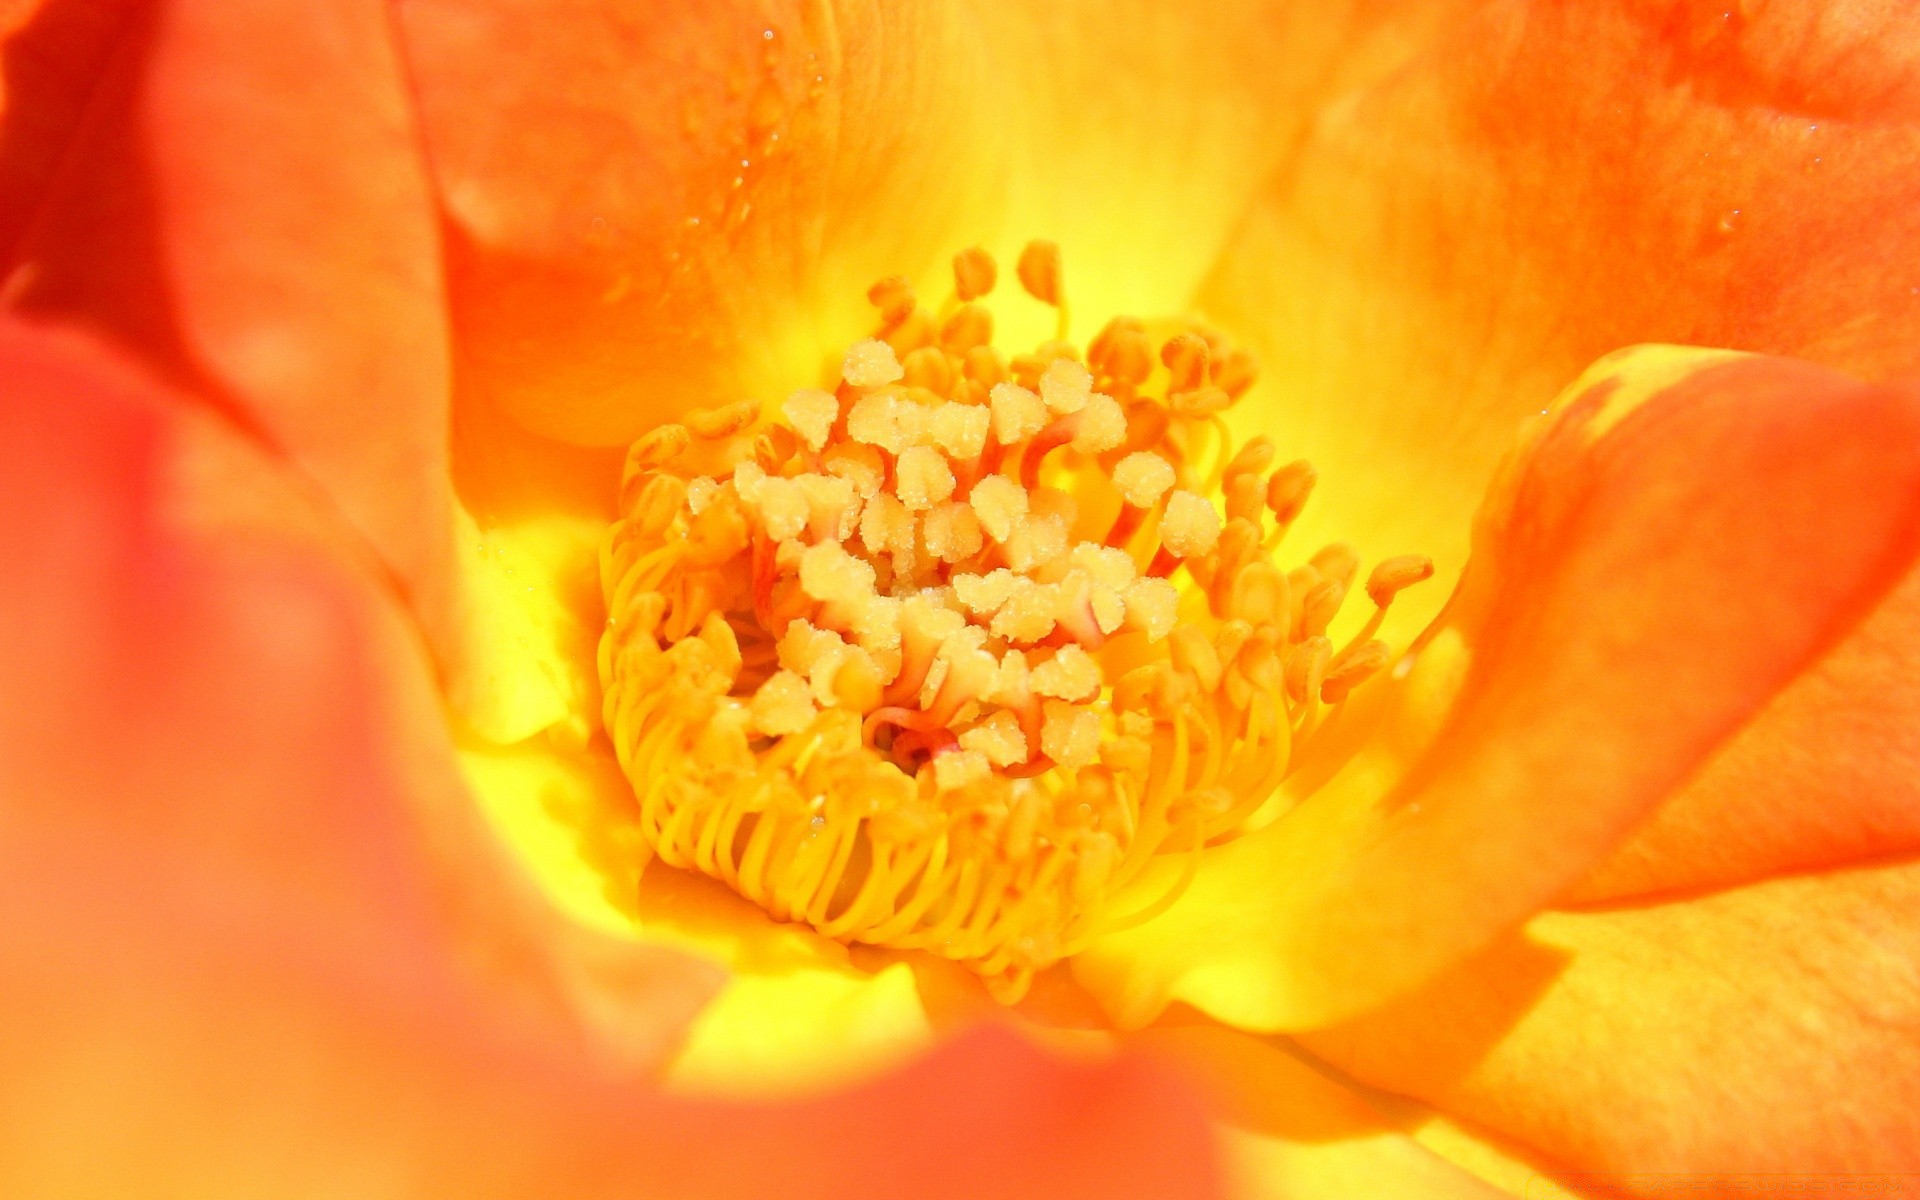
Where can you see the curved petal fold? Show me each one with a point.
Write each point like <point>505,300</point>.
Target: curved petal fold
<point>233,192</point>
<point>1826,775</point>
<point>1677,540</point>
<point>220,677</point>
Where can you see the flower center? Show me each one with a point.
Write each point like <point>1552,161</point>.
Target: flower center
<point>940,659</point>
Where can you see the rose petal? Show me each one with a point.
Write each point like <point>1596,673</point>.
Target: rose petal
<point>195,1044</point>
<point>1544,183</point>
<point>1675,543</point>
<point>1826,775</point>
<point>1771,1029</point>
<point>662,206</point>
<point>220,674</point>
<point>241,203</point>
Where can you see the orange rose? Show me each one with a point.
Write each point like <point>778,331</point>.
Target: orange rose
<point>332,320</point>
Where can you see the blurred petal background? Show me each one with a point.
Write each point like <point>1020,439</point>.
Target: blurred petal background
<point>330,319</point>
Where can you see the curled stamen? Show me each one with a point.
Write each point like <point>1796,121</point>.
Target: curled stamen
<point>941,654</point>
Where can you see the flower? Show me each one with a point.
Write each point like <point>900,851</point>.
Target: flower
<point>1613,869</point>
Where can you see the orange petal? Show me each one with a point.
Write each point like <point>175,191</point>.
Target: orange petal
<point>1548,182</point>
<point>662,205</point>
<point>1678,540</point>
<point>1827,774</point>
<point>1766,1030</point>
<point>218,672</point>
<point>240,202</point>
<point>249,939</point>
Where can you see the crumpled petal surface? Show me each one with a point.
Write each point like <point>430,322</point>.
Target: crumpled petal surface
<point>1676,541</point>
<point>244,946</point>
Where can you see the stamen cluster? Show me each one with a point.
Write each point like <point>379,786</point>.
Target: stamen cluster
<point>940,658</point>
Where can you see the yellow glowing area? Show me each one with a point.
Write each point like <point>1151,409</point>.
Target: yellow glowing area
<point>943,655</point>
<point>842,1024</point>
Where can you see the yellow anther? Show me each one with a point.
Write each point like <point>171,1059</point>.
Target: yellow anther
<point>1100,426</point>
<point>887,419</point>
<point>1246,496</point>
<point>913,331</point>
<point>1039,271</point>
<point>940,655</point>
<point>968,328</point>
<point>1321,606</point>
<point>925,479</point>
<point>1122,354</point>
<point>1071,674</point>
<point>1065,386</point>
<point>985,367</point>
<point>1236,373</point>
<point>659,448</point>
<point>1153,605</point>
<point>1028,613</point>
<point>984,594</point>
<point>718,534</point>
<point>1306,668</point>
<point>700,493</point>
<point>1252,459</point>
<point>974,274</point>
<point>952,532</point>
<point>1142,479</point>
<point>956,769</point>
<point>1069,733</point>
<point>1196,655</point>
<point>1350,668</point>
<point>1018,413</point>
<point>1337,561</point>
<point>659,501</point>
<point>860,466</point>
<point>1191,525</point>
<point>886,527</point>
<point>893,296</point>
<point>724,421</point>
<point>1289,489</point>
<point>999,738</point>
<point>1393,575</point>
<point>1200,402</point>
<point>1260,595</point>
<point>1187,359</point>
<point>870,364</point>
<point>929,368</point>
<point>1035,541</point>
<point>959,429</point>
<point>999,502</point>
